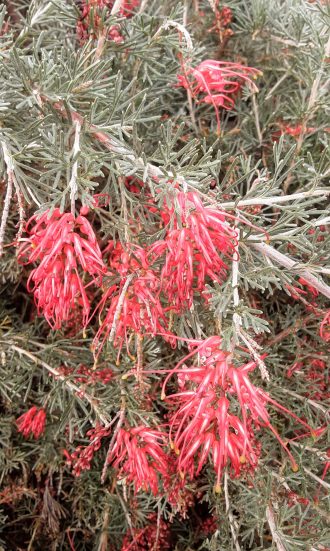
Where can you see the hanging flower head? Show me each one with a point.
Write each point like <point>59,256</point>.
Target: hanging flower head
<point>206,419</point>
<point>139,455</point>
<point>155,536</point>
<point>132,304</point>
<point>32,423</point>
<point>63,246</point>
<point>195,248</point>
<point>218,82</point>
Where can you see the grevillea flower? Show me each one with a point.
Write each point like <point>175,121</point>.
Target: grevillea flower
<point>155,536</point>
<point>294,130</point>
<point>62,245</point>
<point>203,423</point>
<point>32,423</point>
<point>139,455</point>
<point>90,22</point>
<point>218,82</point>
<point>136,308</point>
<point>195,248</point>
<point>86,375</point>
<point>82,457</point>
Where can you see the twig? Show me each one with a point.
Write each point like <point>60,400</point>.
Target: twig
<point>112,441</point>
<point>256,117</point>
<point>9,193</point>
<point>11,181</point>
<point>104,543</point>
<point>321,455</point>
<point>21,212</point>
<point>289,330</point>
<point>276,85</point>
<point>71,386</point>
<point>275,200</point>
<point>314,404</point>
<point>181,28</point>
<point>142,7</point>
<point>159,512</point>
<point>232,522</point>
<point>317,478</point>
<point>292,265</point>
<point>74,175</point>
<point>237,319</point>
<point>119,307</point>
<point>273,528</point>
<point>100,44</point>
<point>126,512</point>
<point>116,7</point>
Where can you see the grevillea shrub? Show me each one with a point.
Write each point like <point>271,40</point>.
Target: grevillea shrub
<point>164,265</point>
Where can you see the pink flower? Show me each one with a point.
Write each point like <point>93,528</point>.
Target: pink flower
<point>140,309</point>
<point>195,248</point>
<point>138,454</point>
<point>155,536</point>
<point>62,245</point>
<point>216,82</point>
<point>203,423</point>
<point>82,457</point>
<point>32,422</point>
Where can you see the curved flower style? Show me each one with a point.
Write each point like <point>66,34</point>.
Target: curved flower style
<point>195,248</point>
<point>32,423</point>
<point>61,243</point>
<point>216,82</point>
<point>138,453</point>
<point>203,423</point>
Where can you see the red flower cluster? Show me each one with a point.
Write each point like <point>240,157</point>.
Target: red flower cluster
<point>61,243</point>
<point>138,454</point>
<point>294,130</point>
<point>82,457</point>
<point>86,375</point>
<point>195,248</point>
<point>32,423</point>
<point>216,82</point>
<point>314,372</point>
<point>153,537</point>
<point>90,23</point>
<point>138,307</point>
<point>203,424</point>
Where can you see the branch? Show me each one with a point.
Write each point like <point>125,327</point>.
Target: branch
<point>275,200</point>
<point>272,526</point>
<point>119,307</point>
<point>116,7</point>
<point>76,390</point>
<point>9,193</point>
<point>232,522</point>
<point>11,182</point>
<point>237,319</point>
<point>74,175</point>
<point>292,265</point>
